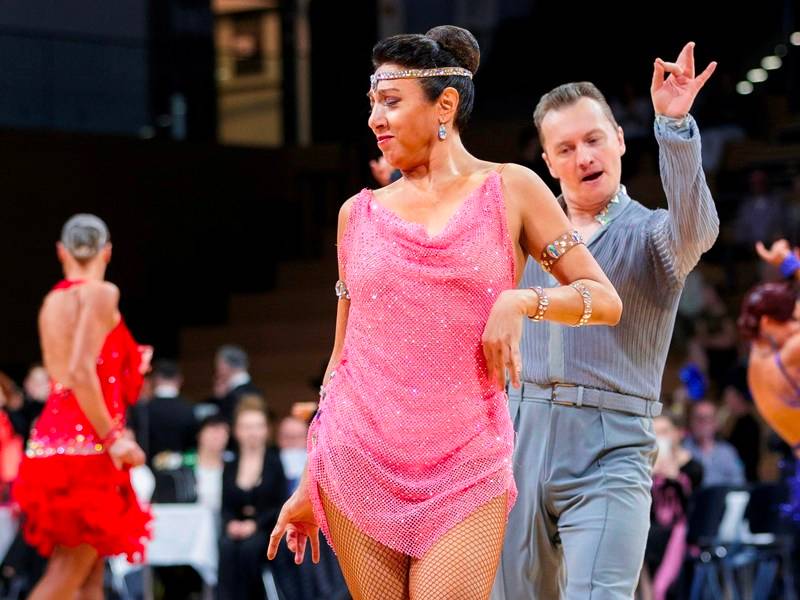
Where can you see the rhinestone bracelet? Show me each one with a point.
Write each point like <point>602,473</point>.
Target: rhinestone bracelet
<point>541,306</point>
<point>586,296</point>
<point>558,248</point>
<point>342,293</point>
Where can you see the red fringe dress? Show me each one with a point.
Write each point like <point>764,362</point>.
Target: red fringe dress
<point>68,489</point>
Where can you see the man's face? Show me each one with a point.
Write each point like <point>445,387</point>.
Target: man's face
<point>222,371</point>
<point>704,421</point>
<point>37,384</point>
<point>292,433</point>
<point>583,149</point>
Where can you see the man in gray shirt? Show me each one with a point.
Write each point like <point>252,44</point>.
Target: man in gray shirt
<point>583,414</point>
<point>721,463</point>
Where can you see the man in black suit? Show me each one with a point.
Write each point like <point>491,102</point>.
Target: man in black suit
<point>23,410</point>
<point>166,423</point>
<point>231,379</point>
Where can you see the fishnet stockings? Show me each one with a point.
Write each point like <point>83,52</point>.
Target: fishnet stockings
<point>372,571</point>
<point>460,566</point>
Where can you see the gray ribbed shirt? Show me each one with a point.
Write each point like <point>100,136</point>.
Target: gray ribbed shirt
<point>647,255</point>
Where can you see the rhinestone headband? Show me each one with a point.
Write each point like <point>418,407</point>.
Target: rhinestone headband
<point>417,73</point>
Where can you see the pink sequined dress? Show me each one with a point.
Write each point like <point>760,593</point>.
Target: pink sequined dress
<point>68,489</point>
<point>412,437</point>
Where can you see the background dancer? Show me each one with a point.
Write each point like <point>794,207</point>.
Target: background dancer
<point>73,487</point>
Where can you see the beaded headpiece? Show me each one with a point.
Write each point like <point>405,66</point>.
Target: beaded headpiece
<point>417,73</point>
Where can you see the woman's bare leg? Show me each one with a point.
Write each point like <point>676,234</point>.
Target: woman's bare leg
<point>67,571</point>
<point>92,588</point>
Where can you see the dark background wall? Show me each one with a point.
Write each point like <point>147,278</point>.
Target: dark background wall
<point>83,91</point>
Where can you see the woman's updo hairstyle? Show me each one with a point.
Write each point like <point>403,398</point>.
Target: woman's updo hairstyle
<point>443,46</point>
<point>84,236</point>
<point>775,300</point>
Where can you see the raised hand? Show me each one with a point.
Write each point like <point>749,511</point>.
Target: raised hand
<point>777,252</point>
<point>674,96</point>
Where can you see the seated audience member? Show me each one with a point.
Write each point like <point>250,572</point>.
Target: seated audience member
<point>742,429</point>
<point>212,439</point>
<point>253,491</point>
<point>721,464</point>
<point>231,379</point>
<point>292,434</point>
<point>29,405</point>
<point>675,475</point>
<point>165,423</point>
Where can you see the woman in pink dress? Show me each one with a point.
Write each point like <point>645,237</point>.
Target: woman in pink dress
<point>409,470</point>
<point>73,489</point>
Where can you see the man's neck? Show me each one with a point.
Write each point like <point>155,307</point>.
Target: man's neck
<point>208,459</point>
<point>706,445</point>
<point>166,390</point>
<point>587,218</point>
<point>583,213</point>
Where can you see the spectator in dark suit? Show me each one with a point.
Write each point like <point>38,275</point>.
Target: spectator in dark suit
<point>253,491</point>
<point>231,379</point>
<point>166,422</point>
<point>24,409</point>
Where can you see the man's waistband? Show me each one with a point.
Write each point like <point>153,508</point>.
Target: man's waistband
<point>579,396</point>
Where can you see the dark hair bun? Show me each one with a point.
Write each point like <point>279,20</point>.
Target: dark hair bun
<point>460,43</point>
<point>774,300</point>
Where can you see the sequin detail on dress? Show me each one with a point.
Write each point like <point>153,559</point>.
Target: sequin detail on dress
<point>412,437</point>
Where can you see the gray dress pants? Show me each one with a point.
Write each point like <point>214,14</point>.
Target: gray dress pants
<point>579,527</point>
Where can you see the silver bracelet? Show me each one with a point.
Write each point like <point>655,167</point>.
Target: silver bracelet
<point>586,296</point>
<point>541,306</point>
<point>342,293</point>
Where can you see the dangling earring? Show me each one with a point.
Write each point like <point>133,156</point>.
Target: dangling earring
<point>442,131</point>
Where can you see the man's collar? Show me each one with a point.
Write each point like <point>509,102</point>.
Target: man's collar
<point>614,207</point>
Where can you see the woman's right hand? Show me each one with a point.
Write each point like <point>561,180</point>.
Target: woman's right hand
<point>125,451</point>
<point>298,523</point>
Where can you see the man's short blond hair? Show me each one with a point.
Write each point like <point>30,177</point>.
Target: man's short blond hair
<point>567,95</point>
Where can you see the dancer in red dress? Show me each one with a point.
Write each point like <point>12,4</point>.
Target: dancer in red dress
<point>73,487</point>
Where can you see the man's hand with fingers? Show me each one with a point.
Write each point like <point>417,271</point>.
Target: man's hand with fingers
<point>674,96</point>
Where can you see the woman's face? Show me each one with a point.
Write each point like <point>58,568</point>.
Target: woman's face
<point>665,429</point>
<point>213,438</point>
<point>404,121</point>
<point>251,429</point>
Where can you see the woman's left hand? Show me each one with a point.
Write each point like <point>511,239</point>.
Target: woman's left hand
<point>501,338</point>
